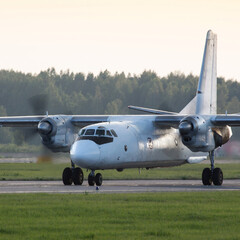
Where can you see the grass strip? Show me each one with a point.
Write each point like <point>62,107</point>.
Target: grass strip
<point>48,171</point>
<point>182,216</point>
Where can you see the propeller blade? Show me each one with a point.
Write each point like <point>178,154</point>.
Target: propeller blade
<point>45,155</point>
<point>39,103</point>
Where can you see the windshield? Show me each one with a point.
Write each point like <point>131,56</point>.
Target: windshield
<point>99,136</point>
<point>90,132</point>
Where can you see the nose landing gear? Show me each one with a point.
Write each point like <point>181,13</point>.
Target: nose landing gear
<point>213,175</point>
<point>92,179</point>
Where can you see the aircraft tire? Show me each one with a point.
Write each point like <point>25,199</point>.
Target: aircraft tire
<point>91,180</point>
<point>98,179</point>
<point>67,176</point>
<point>206,176</point>
<point>78,176</point>
<point>217,177</point>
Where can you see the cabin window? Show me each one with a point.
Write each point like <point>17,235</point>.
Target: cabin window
<point>113,133</point>
<point>90,132</point>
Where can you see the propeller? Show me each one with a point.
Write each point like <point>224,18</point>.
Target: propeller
<point>39,103</point>
<point>45,155</point>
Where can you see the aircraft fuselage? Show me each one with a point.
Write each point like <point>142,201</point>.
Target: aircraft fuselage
<point>129,144</point>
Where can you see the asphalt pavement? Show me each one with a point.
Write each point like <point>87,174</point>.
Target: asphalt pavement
<point>116,186</point>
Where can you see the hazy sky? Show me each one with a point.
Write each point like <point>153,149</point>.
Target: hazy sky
<point>118,35</point>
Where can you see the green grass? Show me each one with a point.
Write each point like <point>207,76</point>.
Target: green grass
<point>182,216</point>
<point>14,148</point>
<point>48,171</point>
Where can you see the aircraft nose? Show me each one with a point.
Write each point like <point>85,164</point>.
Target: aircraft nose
<point>85,153</point>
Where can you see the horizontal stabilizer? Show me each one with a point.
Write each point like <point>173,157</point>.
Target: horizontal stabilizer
<point>150,110</point>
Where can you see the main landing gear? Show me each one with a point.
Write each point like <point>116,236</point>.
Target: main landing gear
<point>213,175</point>
<point>72,175</point>
<point>75,175</point>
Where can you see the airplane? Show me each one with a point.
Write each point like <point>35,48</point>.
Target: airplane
<point>158,139</point>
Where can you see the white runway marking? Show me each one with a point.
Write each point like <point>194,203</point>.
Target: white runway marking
<point>116,186</point>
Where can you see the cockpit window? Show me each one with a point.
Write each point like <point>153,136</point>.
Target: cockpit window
<point>90,132</point>
<point>113,133</point>
<point>100,132</point>
<point>83,131</point>
<point>99,136</point>
<point>108,133</point>
<point>97,139</point>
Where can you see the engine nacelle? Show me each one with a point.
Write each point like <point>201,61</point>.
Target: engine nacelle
<point>199,135</point>
<point>196,135</point>
<point>57,133</point>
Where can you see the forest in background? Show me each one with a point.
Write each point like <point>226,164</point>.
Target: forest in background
<point>77,93</point>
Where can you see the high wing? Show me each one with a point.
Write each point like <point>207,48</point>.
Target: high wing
<point>232,120</point>
<point>169,120</point>
<point>20,121</point>
<point>82,121</point>
<point>150,110</point>
<point>33,121</point>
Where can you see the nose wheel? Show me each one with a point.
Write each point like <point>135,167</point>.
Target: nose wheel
<point>213,175</point>
<point>92,179</point>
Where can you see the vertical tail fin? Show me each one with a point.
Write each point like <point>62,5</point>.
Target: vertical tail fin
<point>205,101</point>
<point>207,85</point>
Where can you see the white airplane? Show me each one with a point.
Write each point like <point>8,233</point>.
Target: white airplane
<point>161,139</point>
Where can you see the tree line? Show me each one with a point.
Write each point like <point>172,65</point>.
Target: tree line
<point>105,93</point>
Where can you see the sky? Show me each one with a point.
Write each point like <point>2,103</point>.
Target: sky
<point>118,35</point>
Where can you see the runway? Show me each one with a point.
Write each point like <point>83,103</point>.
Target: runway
<point>116,186</point>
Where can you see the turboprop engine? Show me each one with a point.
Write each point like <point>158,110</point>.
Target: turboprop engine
<point>56,133</point>
<point>199,135</point>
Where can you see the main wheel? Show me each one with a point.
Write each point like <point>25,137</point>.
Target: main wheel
<point>207,176</point>
<point>217,176</point>
<point>98,179</point>
<point>91,179</point>
<point>67,176</point>
<point>78,176</point>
